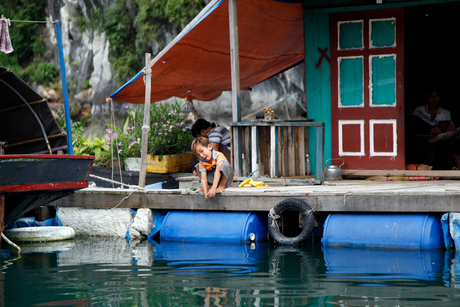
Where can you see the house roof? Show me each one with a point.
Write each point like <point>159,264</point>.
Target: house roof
<point>196,64</point>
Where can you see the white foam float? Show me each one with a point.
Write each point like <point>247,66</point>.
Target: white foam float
<point>40,234</point>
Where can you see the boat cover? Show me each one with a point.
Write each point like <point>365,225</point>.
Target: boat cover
<point>19,126</point>
<point>196,64</point>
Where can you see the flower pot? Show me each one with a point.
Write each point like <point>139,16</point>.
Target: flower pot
<point>133,164</point>
<point>169,163</point>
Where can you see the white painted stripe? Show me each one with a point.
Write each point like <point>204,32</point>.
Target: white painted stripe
<point>361,136</point>
<point>374,122</point>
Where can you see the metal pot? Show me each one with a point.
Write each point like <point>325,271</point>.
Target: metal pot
<point>333,172</point>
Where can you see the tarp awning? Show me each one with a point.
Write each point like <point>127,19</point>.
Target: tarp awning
<point>196,64</point>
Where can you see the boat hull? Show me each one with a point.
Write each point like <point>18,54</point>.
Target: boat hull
<point>30,181</point>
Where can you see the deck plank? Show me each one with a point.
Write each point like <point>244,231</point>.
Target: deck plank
<point>341,196</point>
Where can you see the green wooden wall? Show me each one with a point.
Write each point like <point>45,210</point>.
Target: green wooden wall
<point>318,89</point>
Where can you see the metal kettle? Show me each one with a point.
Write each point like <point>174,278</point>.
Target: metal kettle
<point>333,172</point>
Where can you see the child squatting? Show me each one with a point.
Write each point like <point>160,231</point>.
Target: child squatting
<point>215,171</point>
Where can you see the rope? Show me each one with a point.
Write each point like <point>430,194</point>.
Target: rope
<point>274,216</point>
<point>120,183</point>
<point>11,243</point>
<point>307,212</point>
<point>113,124</point>
<point>35,21</point>
<point>126,197</point>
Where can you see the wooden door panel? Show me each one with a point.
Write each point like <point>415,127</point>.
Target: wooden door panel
<point>367,80</point>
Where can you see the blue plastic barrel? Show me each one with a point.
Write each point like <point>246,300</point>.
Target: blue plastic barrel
<point>394,231</point>
<point>210,226</point>
<point>371,263</point>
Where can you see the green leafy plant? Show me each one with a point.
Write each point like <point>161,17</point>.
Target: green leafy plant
<point>92,146</point>
<point>25,36</point>
<point>168,134</point>
<point>46,72</point>
<point>124,142</point>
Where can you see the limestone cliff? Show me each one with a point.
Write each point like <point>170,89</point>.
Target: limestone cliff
<point>91,77</point>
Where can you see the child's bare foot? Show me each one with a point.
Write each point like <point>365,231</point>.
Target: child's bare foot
<point>220,190</point>
<point>199,190</point>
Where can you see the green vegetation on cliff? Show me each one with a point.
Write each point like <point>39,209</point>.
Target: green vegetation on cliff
<point>27,43</point>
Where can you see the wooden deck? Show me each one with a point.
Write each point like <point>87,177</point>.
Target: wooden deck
<point>335,196</point>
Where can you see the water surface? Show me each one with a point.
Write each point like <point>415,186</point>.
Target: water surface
<point>113,272</point>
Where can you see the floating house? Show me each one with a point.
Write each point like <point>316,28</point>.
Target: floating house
<point>368,65</point>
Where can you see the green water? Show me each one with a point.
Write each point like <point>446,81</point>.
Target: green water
<point>111,272</point>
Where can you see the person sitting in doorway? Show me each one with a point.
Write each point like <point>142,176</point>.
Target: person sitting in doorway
<point>215,172</point>
<point>432,122</point>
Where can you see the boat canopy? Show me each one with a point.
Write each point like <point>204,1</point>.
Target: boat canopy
<point>26,121</point>
<point>196,64</point>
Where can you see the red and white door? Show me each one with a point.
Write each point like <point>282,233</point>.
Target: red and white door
<point>367,80</point>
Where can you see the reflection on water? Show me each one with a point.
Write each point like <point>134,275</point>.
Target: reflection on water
<point>113,272</point>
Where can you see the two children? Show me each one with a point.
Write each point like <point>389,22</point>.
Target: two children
<point>215,172</point>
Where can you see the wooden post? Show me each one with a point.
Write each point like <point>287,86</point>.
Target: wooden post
<point>235,71</point>
<point>255,151</point>
<point>146,125</point>
<point>273,143</point>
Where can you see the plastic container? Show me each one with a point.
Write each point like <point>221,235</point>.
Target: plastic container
<point>158,185</point>
<point>210,226</point>
<point>360,263</point>
<point>393,231</point>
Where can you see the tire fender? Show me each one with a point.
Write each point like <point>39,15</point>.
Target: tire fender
<point>307,216</point>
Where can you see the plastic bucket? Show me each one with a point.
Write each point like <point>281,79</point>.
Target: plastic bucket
<point>394,231</point>
<point>210,226</point>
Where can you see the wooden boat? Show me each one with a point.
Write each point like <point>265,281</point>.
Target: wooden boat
<point>33,169</point>
<point>30,181</point>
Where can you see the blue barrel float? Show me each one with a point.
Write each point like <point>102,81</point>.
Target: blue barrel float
<point>393,231</point>
<point>212,226</point>
<point>362,263</point>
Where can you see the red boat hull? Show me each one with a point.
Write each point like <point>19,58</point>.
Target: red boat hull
<point>30,181</point>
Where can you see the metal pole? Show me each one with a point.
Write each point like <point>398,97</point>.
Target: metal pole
<point>146,125</point>
<point>68,124</point>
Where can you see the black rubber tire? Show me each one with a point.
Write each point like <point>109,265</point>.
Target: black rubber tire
<point>308,219</point>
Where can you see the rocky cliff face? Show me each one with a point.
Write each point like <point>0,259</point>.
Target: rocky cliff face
<point>87,60</point>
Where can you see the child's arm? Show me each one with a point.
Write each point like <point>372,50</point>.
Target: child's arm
<point>215,183</point>
<point>204,182</point>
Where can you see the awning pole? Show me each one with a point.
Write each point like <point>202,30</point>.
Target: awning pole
<point>68,123</point>
<point>146,125</point>
<point>236,101</point>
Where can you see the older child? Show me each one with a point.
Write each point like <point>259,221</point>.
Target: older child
<point>215,172</point>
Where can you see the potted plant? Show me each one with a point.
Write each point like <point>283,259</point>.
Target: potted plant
<point>168,141</point>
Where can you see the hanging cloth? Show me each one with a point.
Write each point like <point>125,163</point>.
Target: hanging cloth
<point>5,41</point>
